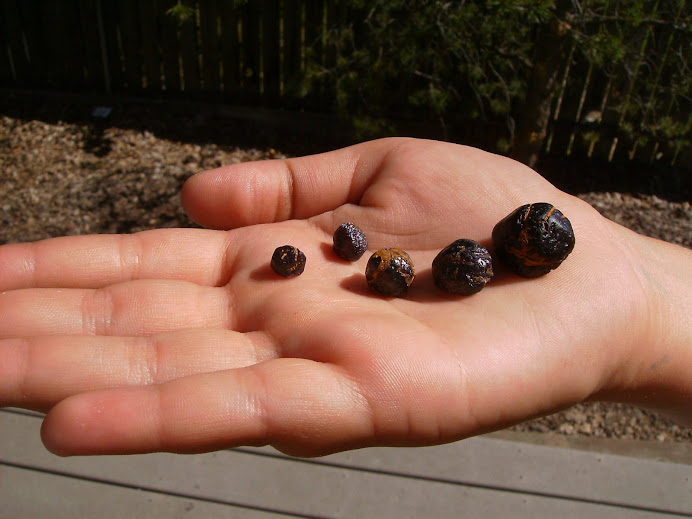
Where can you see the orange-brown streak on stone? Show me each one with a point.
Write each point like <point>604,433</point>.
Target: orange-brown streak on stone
<point>529,260</point>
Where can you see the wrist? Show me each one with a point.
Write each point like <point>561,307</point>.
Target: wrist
<point>657,372</point>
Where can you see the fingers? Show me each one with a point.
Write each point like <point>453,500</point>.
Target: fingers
<point>311,406</point>
<point>195,255</point>
<point>37,373</point>
<point>277,190</point>
<point>143,307</point>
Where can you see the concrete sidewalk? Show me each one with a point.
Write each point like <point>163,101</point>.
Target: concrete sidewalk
<point>488,476</point>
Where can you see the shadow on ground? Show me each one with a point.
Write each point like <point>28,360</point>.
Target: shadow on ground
<point>300,133</point>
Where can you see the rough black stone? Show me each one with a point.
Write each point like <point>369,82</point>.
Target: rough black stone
<point>463,267</point>
<point>534,239</point>
<point>288,261</point>
<point>390,272</point>
<point>350,243</point>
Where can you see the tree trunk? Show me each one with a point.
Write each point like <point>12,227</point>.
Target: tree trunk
<point>543,83</point>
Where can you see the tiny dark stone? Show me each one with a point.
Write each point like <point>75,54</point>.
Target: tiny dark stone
<point>350,243</point>
<point>288,261</point>
<point>534,239</point>
<point>390,272</point>
<point>463,267</point>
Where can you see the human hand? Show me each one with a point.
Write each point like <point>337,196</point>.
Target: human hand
<point>184,340</point>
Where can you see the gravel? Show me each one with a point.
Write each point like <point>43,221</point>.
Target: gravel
<point>64,173</point>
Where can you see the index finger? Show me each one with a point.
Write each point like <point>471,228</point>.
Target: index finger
<point>194,255</point>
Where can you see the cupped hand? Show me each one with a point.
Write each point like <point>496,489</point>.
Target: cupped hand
<point>184,340</point>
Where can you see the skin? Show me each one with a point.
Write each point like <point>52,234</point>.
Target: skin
<point>184,340</point>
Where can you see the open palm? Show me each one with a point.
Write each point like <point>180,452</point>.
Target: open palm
<point>184,339</point>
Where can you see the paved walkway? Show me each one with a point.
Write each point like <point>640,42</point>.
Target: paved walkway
<point>479,477</point>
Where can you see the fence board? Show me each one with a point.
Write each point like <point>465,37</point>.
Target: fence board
<point>189,52</point>
<point>169,46</point>
<point>251,52</point>
<point>271,65</point>
<point>111,29</point>
<point>90,45</point>
<point>563,141</point>
<point>13,47</point>
<point>607,127</point>
<point>40,66</point>
<point>29,44</point>
<point>333,17</point>
<point>64,49</point>
<point>619,148</point>
<point>683,156</point>
<point>37,71</point>
<point>291,64</point>
<point>209,39</point>
<point>131,44</point>
<point>72,42</point>
<point>53,47</point>
<point>6,67</point>
<point>314,27</point>
<point>314,45</point>
<point>151,59</point>
<point>230,49</point>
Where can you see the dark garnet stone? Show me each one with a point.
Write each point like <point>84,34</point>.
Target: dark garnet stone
<point>288,261</point>
<point>350,243</point>
<point>464,267</point>
<point>390,272</point>
<point>534,239</point>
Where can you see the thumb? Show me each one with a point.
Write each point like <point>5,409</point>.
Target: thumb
<point>276,190</point>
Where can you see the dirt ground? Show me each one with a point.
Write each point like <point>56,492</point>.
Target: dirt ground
<point>64,173</point>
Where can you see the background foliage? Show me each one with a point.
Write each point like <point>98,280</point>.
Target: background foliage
<point>582,78</point>
<point>474,60</point>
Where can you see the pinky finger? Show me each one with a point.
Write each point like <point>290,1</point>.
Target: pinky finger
<point>301,407</point>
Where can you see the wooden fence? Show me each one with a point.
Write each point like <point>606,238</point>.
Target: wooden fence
<point>248,52</point>
<point>641,115</point>
<point>255,52</point>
